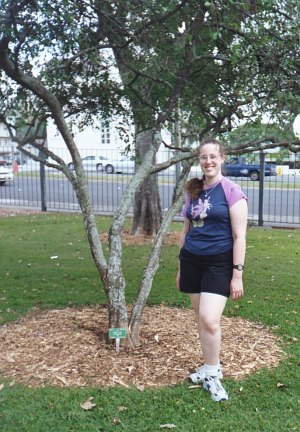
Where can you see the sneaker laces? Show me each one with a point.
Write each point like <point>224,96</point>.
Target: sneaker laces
<point>214,386</point>
<point>217,386</point>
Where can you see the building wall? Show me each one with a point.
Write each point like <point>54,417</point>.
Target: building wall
<point>92,140</point>
<point>5,142</point>
<point>103,139</point>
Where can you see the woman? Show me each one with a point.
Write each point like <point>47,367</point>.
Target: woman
<point>212,253</point>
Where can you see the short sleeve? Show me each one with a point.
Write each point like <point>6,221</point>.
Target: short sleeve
<point>233,192</point>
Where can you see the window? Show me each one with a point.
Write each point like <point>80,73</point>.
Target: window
<point>105,133</point>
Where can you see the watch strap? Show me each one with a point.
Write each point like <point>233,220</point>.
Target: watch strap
<point>239,267</point>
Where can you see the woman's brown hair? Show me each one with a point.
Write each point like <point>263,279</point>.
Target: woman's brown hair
<point>195,186</point>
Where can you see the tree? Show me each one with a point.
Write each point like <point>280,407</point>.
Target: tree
<point>56,61</point>
<point>139,72</point>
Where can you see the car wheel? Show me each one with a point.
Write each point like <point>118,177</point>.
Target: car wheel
<point>71,166</point>
<point>99,168</point>
<point>254,175</point>
<point>109,169</point>
<point>2,183</point>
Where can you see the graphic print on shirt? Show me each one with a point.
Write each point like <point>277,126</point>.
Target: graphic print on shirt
<point>199,211</point>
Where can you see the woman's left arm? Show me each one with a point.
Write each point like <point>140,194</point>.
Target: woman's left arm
<point>239,218</point>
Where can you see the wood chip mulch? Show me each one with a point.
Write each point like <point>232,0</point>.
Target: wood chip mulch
<point>69,348</point>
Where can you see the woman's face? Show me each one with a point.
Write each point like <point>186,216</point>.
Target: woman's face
<point>210,160</point>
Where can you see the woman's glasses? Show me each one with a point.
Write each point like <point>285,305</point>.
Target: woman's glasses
<point>204,158</point>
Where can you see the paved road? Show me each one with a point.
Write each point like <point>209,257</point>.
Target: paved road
<point>281,204</point>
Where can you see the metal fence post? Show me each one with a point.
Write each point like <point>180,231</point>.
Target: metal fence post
<point>43,187</point>
<point>262,157</point>
<point>43,176</point>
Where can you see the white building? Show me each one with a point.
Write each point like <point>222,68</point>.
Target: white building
<point>102,139</point>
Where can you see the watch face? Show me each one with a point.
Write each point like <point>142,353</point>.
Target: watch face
<point>238,267</point>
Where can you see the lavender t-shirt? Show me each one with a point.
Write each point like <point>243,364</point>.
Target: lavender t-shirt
<point>210,227</point>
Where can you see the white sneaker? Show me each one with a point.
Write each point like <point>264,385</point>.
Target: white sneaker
<point>199,376</point>
<point>215,388</point>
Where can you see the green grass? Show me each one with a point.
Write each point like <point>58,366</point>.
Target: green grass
<point>31,277</point>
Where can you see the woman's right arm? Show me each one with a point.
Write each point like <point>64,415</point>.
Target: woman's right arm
<point>185,230</point>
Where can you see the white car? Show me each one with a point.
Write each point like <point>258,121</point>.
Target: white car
<point>124,165</point>
<point>102,164</point>
<point>91,163</point>
<point>5,175</point>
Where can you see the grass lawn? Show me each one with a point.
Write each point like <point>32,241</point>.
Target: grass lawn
<point>46,263</point>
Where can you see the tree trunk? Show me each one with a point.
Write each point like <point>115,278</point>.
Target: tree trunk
<point>147,215</point>
<point>111,273</point>
<point>118,316</point>
<point>153,263</point>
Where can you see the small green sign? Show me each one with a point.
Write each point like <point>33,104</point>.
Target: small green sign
<point>117,333</point>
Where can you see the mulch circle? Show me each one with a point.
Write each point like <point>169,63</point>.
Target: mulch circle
<point>68,347</point>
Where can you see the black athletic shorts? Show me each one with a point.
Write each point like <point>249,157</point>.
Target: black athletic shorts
<point>205,273</point>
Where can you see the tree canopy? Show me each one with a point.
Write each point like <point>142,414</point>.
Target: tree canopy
<point>229,62</point>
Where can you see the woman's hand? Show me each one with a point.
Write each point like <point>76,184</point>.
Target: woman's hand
<point>178,279</point>
<point>236,288</point>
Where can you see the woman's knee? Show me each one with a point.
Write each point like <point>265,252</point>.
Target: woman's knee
<point>209,324</point>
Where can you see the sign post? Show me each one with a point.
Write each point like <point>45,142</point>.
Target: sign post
<point>117,333</point>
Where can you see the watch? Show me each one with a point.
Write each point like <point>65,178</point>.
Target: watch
<point>239,267</point>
